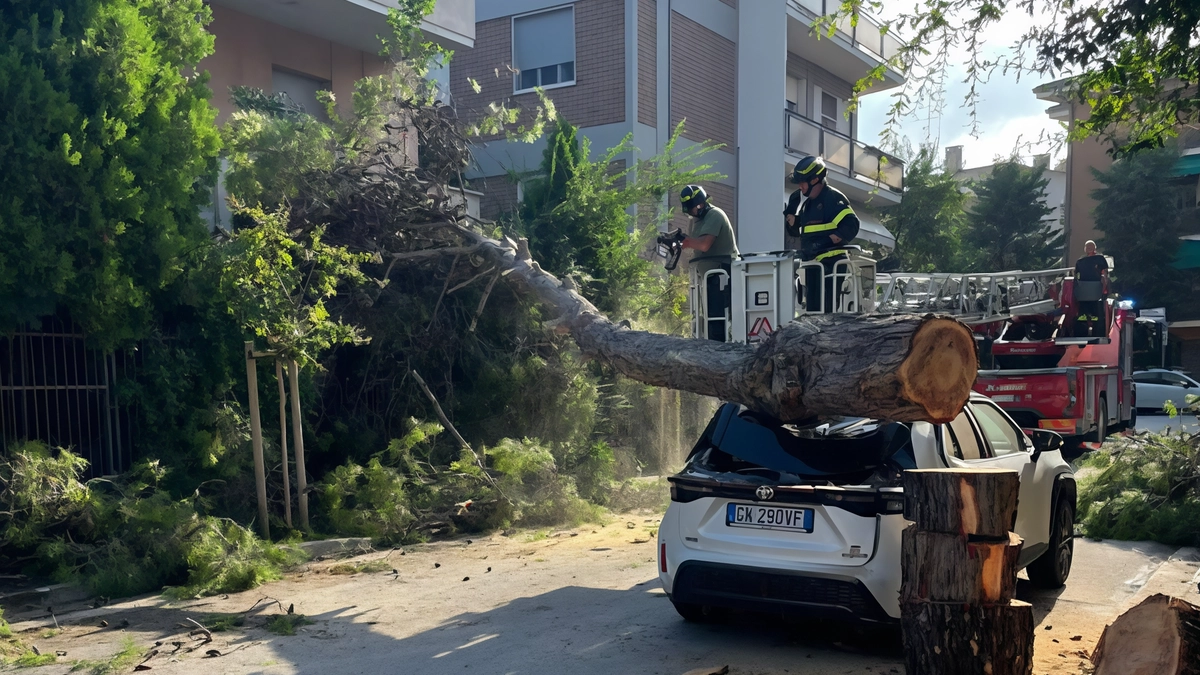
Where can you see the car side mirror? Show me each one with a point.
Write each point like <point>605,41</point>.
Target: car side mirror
<point>1044,441</point>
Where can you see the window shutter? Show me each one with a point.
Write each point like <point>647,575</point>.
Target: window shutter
<point>544,39</point>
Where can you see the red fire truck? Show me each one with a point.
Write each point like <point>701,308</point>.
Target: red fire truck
<point>1046,377</point>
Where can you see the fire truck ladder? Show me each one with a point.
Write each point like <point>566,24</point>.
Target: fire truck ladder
<point>972,298</point>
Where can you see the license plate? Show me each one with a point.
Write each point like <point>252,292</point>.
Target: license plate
<point>788,518</point>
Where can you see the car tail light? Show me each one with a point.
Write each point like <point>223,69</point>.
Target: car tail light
<point>662,558</point>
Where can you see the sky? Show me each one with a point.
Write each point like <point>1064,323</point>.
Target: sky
<point>1007,110</point>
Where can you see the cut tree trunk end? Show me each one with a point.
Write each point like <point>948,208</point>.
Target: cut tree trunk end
<point>1159,636</point>
<point>966,502</point>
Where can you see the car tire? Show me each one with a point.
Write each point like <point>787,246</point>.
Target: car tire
<point>691,612</point>
<point>1101,431</point>
<point>1133,412</point>
<point>1052,568</point>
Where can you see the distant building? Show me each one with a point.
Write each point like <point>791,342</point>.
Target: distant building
<point>748,74</point>
<point>1056,189</point>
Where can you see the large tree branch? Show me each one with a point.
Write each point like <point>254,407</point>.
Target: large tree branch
<point>899,367</point>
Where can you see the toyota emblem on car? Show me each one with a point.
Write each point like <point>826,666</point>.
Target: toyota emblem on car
<point>764,492</point>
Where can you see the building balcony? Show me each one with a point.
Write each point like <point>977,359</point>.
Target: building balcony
<point>853,165</point>
<point>358,23</point>
<point>851,52</point>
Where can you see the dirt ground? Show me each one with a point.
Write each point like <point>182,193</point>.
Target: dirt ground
<point>585,601</point>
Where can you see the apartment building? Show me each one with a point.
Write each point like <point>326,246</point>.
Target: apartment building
<point>1091,153</point>
<point>302,47</point>
<point>1056,181</point>
<point>747,74</point>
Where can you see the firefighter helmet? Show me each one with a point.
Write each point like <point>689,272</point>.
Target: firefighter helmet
<point>808,168</point>
<point>691,196</point>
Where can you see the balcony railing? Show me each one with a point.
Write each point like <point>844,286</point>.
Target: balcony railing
<point>854,158</point>
<point>868,35</point>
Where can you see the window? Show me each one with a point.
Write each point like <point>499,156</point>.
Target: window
<point>1175,380</point>
<point>1147,378</point>
<point>1004,438</point>
<point>302,89</point>
<point>544,49</point>
<point>797,95</point>
<point>829,111</point>
<point>963,442</point>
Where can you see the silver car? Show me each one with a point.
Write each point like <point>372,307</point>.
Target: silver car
<point>1155,387</point>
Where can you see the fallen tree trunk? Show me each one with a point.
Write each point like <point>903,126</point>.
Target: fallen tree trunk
<point>1160,636</point>
<point>901,367</point>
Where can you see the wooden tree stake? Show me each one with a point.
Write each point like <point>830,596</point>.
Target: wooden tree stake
<point>298,442</point>
<point>287,484</point>
<point>260,470</point>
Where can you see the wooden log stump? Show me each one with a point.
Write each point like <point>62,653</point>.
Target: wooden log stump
<point>1159,636</point>
<point>962,501</point>
<point>951,638</point>
<point>959,564</point>
<point>941,567</point>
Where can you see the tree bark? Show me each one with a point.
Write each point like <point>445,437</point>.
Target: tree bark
<point>896,367</point>
<point>952,638</point>
<point>941,567</point>
<point>965,502</point>
<point>1160,636</point>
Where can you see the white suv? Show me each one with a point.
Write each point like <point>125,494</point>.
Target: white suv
<point>806,519</point>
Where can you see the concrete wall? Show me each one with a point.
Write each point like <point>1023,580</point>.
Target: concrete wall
<point>248,48</point>
<point>596,98</point>
<point>1082,157</point>
<point>761,74</point>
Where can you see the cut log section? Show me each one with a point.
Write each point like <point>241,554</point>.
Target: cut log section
<point>964,502</point>
<point>1159,636</point>
<point>941,567</point>
<point>945,638</point>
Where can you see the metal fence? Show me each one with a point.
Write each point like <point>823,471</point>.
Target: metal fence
<point>55,389</point>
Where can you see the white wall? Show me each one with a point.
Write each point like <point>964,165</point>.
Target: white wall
<point>762,71</point>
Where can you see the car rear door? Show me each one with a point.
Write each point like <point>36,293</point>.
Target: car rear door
<point>984,436</point>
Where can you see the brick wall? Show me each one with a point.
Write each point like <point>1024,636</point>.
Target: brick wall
<point>719,194</point>
<point>499,195</point>
<point>703,76</point>
<point>598,95</point>
<point>818,76</point>
<point>647,62</point>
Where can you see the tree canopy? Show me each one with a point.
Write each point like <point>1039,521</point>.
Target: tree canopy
<point>1005,227</point>
<point>928,222</point>
<point>1140,214</point>
<point>106,147</point>
<point>1134,62</point>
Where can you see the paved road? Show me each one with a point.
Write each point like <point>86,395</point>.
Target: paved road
<point>586,604</point>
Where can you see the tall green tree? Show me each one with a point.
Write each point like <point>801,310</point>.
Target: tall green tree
<point>1139,209</point>
<point>578,213</point>
<point>106,148</point>
<point>1005,227</point>
<point>929,220</point>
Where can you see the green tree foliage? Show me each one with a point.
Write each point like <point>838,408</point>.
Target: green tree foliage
<point>1143,487</point>
<point>929,221</point>
<point>1134,62</point>
<point>107,144</point>
<point>1138,210</point>
<point>1005,230</point>
<point>577,214</point>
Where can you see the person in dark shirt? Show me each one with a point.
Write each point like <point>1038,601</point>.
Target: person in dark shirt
<point>824,222</point>
<point>1091,268</point>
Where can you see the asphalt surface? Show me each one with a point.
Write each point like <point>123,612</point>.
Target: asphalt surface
<point>586,603</point>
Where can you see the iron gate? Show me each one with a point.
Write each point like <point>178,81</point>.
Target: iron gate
<point>56,389</point>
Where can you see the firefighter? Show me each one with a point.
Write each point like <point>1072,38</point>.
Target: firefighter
<point>712,239</point>
<point>1092,267</point>
<point>824,222</point>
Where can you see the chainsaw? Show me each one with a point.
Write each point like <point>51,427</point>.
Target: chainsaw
<point>670,247</point>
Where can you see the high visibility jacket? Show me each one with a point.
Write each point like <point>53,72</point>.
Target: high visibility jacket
<point>817,218</point>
